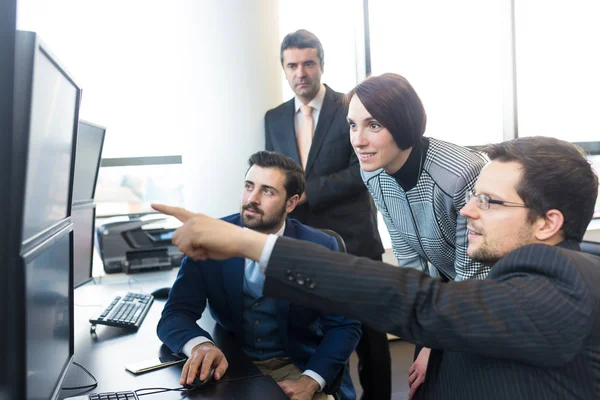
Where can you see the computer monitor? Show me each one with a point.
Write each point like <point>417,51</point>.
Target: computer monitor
<point>49,312</point>
<point>11,363</point>
<point>90,139</point>
<point>45,119</point>
<point>49,102</point>
<point>83,217</point>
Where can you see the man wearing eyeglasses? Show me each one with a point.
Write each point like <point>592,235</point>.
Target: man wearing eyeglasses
<point>530,330</point>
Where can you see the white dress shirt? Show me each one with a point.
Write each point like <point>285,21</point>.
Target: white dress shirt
<point>316,103</point>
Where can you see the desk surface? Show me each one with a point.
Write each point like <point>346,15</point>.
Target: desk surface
<point>106,353</point>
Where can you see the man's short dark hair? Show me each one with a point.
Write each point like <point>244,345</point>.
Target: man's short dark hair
<point>394,103</point>
<point>555,175</point>
<point>302,39</point>
<point>294,174</point>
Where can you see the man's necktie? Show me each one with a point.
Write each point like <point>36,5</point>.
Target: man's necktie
<point>305,134</point>
<point>254,279</point>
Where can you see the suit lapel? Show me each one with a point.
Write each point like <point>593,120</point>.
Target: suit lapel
<point>326,117</point>
<point>284,128</point>
<point>233,277</point>
<point>283,307</point>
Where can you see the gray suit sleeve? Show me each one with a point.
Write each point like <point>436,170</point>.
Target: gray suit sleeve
<point>530,311</point>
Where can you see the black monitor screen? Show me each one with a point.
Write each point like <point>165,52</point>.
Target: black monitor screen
<point>83,242</point>
<point>48,292</point>
<point>595,161</point>
<point>87,160</point>
<point>54,110</point>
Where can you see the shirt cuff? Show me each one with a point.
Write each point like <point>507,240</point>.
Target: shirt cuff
<point>193,342</point>
<point>316,377</point>
<point>265,255</point>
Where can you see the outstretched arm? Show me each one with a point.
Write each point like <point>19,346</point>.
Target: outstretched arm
<point>512,315</point>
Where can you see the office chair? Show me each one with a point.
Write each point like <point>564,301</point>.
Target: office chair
<point>590,247</point>
<point>338,238</point>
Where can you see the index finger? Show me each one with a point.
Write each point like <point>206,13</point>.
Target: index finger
<point>180,213</point>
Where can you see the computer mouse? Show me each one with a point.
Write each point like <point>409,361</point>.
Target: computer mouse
<point>162,293</point>
<point>198,383</point>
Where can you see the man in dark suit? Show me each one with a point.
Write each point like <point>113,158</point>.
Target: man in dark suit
<point>312,129</point>
<point>304,350</point>
<point>531,330</point>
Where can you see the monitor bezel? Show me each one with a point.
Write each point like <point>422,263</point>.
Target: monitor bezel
<point>12,378</point>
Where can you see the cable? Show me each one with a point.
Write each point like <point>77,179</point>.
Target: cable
<point>159,390</point>
<point>185,390</point>
<point>155,390</point>
<point>88,387</point>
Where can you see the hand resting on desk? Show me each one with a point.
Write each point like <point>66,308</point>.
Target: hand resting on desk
<point>203,357</point>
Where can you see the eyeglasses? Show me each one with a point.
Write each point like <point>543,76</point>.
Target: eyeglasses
<point>483,201</point>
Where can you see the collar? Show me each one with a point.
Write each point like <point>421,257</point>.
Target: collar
<point>280,232</point>
<point>316,102</point>
<point>408,175</point>
<point>569,244</point>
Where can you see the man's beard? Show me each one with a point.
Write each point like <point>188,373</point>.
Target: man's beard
<point>485,255</point>
<point>261,223</point>
<point>489,255</point>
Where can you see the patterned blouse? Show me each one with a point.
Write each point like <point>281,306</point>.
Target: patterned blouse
<point>424,221</point>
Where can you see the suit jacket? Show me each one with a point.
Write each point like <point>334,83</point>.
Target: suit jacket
<point>337,198</point>
<point>313,340</point>
<point>531,330</point>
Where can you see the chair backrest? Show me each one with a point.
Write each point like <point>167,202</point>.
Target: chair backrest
<point>590,247</point>
<point>339,239</point>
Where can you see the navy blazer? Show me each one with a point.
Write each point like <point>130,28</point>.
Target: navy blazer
<point>313,340</point>
<point>531,330</point>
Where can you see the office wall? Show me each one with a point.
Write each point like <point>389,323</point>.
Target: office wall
<point>235,79</point>
<point>185,77</point>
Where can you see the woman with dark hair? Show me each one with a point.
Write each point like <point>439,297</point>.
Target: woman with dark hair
<point>418,183</point>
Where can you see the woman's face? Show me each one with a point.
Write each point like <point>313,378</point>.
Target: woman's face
<point>373,144</point>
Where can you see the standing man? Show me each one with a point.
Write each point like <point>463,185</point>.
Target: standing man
<point>312,129</point>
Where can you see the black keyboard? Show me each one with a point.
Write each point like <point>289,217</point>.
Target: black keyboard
<point>114,396</point>
<point>126,311</point>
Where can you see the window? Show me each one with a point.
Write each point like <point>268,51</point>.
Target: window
<point>558,83</point>
<point>132,185</point>
<point>454,54</point>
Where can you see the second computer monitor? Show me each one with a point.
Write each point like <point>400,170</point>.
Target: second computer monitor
<point>90,139</point>
<point>83,219</point>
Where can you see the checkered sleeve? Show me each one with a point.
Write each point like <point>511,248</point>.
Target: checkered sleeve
<point>404,253</point>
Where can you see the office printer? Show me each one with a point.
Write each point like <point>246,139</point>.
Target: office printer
<point>137,245</point>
